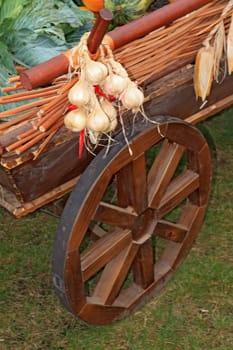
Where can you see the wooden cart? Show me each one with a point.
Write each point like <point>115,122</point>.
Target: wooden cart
<point>130,219</point>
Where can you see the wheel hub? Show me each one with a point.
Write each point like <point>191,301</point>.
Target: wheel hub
<point>144,226</point>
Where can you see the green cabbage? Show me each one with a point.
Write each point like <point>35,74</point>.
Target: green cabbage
<point>33,31</point>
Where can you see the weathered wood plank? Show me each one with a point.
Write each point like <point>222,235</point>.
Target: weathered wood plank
<point>103,251</point>
<point>182,186</point>
<point>162,171</point>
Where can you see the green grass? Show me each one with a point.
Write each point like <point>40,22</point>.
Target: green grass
<point>193,312</point>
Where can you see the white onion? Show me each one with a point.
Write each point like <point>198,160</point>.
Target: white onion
<point>111,112</point>
<point>115,84</point>
<point>79,94</point>
<point>108,109</point>
<point>95,72</point>
<point>112,125</point>
<point>132,97</point>
<point>76,120</point>
<point>97,120</point>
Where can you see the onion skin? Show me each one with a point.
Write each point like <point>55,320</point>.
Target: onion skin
<point>75,120</point>
<point>113,125</point>
<point>95,72</point>
<point>111,112</point>
<point>132,97</point>
<point>79,94</point>
<point>98,121</point>
<point>115,84</point>
<point>108,109</point>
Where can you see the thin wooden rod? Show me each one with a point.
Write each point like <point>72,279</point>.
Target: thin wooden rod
<point>44,144</point>
<point>19,119</point>
<point>38,138</point>
<point>25,134</point>
<point>20,109</point>
<point>53,118</point>
<point>48,115</point>
<point>52,103</point>
<point>26,95</point>
<point>17,86</point>
<point>67,86</point>
<point>18,143</point>
<point>13,79</point>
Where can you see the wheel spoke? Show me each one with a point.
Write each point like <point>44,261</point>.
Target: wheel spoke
<point>132,188</point>
<point>143,267</point>
<point>171,231</point>
<point>179,189</point>
<point>114,215</point>
<point>97,231</point>
<point>102,251</point>
<point>191,217</point>
<point>114,275</point>
<point>162,171</point>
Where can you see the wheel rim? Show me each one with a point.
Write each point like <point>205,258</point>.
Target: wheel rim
<point>131,220</point>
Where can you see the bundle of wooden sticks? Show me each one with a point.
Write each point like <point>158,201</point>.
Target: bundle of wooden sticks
<point>36,120</point>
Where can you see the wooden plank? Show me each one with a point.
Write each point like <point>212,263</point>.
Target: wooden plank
<point>97,314</point>
<point>143,266</point>
<point>114,275</point>
<point>32,179</point>
<point>97,231</point>
<point>9,201</point>
<point>174,95</point>
<point>114,215</point>
<point>162,171</point>
<point>175,252</point>
<point>170,231</point>
<point>205,174</point>
<point>132,188</point>
<point>103,250</point>
<point>179,189</point>
<point>211,110</point>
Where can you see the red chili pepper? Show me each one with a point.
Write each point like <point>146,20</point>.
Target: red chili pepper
<point>72,107</point>
<point>81,143</point>
<point>111,98</point>
<point>100,92</point>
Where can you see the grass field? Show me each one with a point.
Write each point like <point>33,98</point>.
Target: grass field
<point>193,312</point>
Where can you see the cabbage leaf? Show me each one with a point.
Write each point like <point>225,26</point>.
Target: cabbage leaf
<point>37,30</point>
<point>33,31</point>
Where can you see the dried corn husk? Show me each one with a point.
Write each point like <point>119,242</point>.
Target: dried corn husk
<point>219,50</point>
<point>211,59</point>
<point>230,48</point>
<point>204,72</point>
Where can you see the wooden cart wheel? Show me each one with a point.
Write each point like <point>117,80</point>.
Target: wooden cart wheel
<point>131,220</point>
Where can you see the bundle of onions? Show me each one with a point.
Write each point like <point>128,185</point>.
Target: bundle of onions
<point>103,90</point>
